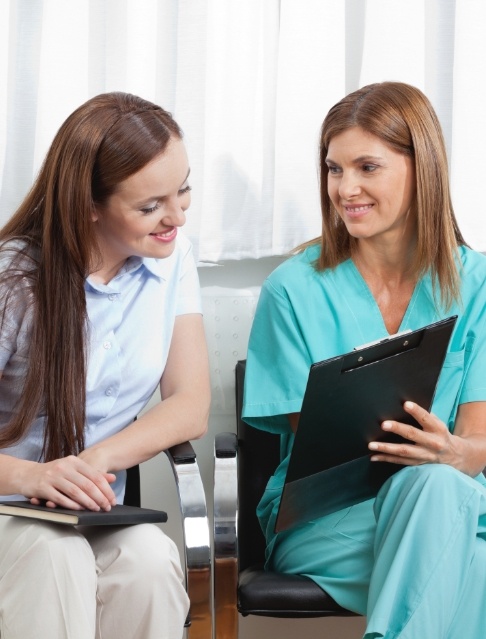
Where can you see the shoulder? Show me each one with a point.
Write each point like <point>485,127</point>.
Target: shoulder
<point>18,264</point>
<point>17,254</point>
<point>294,269</point>
<point>472,271</point>
<point>469,257</point>
<point>298,275</point>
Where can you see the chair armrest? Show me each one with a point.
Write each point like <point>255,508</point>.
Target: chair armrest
<point>195,531</point>
<point>225,573</point>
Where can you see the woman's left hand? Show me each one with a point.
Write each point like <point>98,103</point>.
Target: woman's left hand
<point>433,444</point>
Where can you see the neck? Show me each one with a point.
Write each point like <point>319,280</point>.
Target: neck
<point>104,273</point>
<point>390,277</point>
<point>385,261</point>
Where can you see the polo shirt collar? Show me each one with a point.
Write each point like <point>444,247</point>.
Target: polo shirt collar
<point>155,267</point>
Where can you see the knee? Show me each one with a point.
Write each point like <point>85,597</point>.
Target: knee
<point>41,548</point>
<point>54,542</point>
<point>152,555</point>
<point>159,554</point>
<point>430,484</point>
<point>440,475</point>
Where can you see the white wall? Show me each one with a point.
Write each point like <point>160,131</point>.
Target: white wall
<point>230,292</point>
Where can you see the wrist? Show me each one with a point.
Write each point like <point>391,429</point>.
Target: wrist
<point>96,457</point>
<point>22,477</point>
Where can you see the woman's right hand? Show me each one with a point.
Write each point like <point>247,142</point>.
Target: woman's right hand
<point>68,483</point>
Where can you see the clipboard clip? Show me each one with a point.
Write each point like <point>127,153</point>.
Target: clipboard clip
<point>384,340</point>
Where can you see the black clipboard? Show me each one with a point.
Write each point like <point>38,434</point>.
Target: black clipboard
<point>346,399</point>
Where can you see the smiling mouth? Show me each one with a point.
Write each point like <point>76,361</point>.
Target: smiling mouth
<point>167,236</point>
<point>357,211</point>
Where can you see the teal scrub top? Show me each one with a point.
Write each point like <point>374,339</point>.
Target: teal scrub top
<point>305,316</point>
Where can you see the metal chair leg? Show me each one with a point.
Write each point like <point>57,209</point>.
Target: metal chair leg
<point>195,526</point>
<point>225,537</point>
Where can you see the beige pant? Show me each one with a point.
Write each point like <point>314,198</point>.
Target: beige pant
<point>63,582</point>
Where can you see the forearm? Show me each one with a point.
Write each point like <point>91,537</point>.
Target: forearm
<point>470,455</point>
<point>13,472</point>
<point>469,438</point>
<point>179,418</point>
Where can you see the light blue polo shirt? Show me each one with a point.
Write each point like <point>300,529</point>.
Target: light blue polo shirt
<point>131,321</point>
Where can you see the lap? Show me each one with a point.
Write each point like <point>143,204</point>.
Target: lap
<point>338,551</point>
<point>95,545</point>
<point>335,551</point>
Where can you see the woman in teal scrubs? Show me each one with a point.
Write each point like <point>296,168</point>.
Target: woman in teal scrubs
<point>390,258</point>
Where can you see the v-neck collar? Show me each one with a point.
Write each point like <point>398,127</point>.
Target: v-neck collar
<point>366,303</point>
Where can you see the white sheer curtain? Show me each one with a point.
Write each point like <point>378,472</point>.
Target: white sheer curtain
<point>249,81</point>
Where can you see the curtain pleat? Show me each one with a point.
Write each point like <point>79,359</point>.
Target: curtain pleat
<point>250,83</point>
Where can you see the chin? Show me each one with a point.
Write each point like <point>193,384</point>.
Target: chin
<point>164,251</point>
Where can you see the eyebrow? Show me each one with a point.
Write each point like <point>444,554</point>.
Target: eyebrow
<point>361,158</point>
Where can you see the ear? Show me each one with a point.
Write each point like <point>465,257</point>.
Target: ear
<point>95,214</point>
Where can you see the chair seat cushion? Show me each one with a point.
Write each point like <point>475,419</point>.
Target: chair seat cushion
<point>271,594</point>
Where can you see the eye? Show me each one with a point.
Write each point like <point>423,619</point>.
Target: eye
<point>185,190</point>
<point>333,169</point>
<point>369,168</point>
<point>150,209</point>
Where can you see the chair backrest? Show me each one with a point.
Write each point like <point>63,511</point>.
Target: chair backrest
<point>258,457</point>
<point>132,488</point>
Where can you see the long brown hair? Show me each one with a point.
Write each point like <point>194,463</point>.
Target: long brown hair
<point>403,118</point>
<point>101,143</point>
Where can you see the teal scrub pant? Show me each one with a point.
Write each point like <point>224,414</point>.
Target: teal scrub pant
<point>413,560</point>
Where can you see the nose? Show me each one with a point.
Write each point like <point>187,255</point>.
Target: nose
<point>349,185</point>
<point>174,213</point>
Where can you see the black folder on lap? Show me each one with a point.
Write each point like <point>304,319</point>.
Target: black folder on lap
<point>346,400</point>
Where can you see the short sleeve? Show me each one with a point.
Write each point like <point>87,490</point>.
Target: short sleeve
<point>462,378</point>
<point>277,364</point>
<point>8,336</point>
<point>474,387</point>
<point>15,303</point>
<point>474,285</point>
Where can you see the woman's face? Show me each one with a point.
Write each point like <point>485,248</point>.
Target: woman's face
<point>371,186</point>
<point>142,216</point>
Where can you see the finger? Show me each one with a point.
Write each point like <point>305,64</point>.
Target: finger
<point>407,431</point>
<point>392,452</point>
<point>110,477</point>
<point>92,482</point>
<point>428,421</point>
<point>399,461</point>
<point>38,502</point>
<point>72,483</point>
<point>86,493</point>
<point>66,486</point>
<point>57,500</point>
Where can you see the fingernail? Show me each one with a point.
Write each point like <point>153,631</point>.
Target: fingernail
<point>408,405</point>
<point>373,446</point>
<point>386,425</point>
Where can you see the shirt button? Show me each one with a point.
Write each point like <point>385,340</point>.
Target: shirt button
<point>107,345</point>
<point>111,297</point>
<point>108,391</point>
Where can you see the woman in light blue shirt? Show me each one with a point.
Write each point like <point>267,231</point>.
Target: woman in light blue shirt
<point>100,305</point>
<point>390,258</point>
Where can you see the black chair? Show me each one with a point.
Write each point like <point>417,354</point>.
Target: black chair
<point>195,530</point>
<point>243,464</point>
